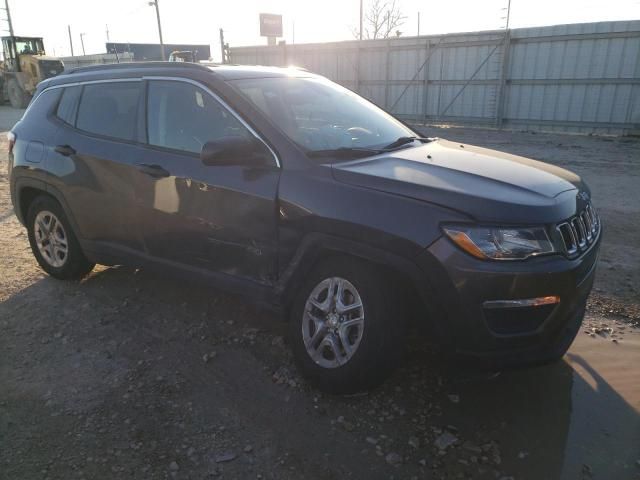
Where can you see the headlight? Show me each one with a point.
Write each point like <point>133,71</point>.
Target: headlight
<point>500,243</point>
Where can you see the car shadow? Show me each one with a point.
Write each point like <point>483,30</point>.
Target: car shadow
<point>547,422</point>
<point>557,421</point>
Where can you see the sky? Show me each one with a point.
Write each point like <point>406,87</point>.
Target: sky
<point>199,21</point>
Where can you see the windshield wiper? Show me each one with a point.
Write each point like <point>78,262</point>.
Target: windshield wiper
<point>399,142</point>
<point>348,152</point>
<point>360,152</point>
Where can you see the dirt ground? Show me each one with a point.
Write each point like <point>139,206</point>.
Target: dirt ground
<point>130,375</point>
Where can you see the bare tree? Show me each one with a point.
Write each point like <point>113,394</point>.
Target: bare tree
<point>382,18</point>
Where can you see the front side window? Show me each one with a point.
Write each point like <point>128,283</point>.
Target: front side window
<point>320,115</point>
<point>182,116</point>
<point>109,109</point>
<point>68,104</point>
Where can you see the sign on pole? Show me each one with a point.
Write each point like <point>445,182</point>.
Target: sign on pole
<point>270,25</point>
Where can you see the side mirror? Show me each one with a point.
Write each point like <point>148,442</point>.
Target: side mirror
<point>235,151</point>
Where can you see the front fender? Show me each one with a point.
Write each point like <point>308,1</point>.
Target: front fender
<point>316,246</point>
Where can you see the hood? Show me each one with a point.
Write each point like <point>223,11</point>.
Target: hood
<point>48,58</point>
<point>488,185</point>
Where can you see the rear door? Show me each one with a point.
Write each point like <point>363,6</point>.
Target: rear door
<point>96,152</point>
<point>219,218</point>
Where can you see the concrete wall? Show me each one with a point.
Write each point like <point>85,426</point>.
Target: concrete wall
<point>147,52</point>
<point>100,58</point>
<point>581,78</point>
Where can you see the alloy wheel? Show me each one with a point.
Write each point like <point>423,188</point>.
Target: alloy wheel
<point>333,322</point>
<point>51,239</point>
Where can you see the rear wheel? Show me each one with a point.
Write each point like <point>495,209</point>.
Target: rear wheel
<point>17,96</point>
<point>346,331</point>
<point>53,242</point>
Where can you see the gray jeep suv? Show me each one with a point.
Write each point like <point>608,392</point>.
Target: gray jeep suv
<point>303,196</point>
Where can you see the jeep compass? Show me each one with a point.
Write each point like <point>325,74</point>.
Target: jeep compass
<point>301,195</point>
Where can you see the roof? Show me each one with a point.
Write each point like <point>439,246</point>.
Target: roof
<point>237,72</point>
<point>21,37</point>
<point>226,72</point>
<point>124,66</point>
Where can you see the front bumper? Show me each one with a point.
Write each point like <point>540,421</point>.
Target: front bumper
<point>463,287</point>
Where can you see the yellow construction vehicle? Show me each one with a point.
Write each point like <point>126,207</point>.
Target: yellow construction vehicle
<point>25,64</point>
<point>183,56</point>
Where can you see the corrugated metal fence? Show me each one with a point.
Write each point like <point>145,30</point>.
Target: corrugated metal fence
<point>580,78</point>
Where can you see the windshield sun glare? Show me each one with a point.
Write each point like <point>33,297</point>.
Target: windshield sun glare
<point>322,116</point>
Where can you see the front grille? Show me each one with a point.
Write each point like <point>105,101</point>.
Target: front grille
<point>579,232</point>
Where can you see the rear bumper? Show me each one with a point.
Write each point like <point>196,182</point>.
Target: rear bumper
<point>466,289</point>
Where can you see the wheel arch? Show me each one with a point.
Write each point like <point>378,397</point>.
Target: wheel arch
<point>28,189</point>
<point>315,247</point>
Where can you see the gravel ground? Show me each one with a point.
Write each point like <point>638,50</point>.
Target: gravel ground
<point>130,375</point>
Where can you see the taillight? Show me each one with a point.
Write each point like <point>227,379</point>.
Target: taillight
<point>12,140</point>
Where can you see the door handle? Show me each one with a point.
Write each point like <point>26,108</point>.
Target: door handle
<point>65,150</point>
<point>153,170</point>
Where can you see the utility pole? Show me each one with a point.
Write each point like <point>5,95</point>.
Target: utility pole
<point>154,3</point>
<point>6,7</point>
<point>293,32</point>
<point>15,47</point>
<point>82,42</point>
<point>107,27</point>
<point>222,49</point>
<point>70,39</point>
<point>506,43</point>
<point>418,23</point>
<point>508,14</point>
<point>361,16</point>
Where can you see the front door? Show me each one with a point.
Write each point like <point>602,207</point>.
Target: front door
<point>221,218</point>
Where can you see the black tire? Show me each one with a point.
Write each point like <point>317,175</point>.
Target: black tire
<point>17,96</point>
<point>382,344</point>
<point>76,265</point>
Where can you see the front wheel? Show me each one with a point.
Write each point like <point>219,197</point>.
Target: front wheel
<point>346,330</point>
<point>17,96</point>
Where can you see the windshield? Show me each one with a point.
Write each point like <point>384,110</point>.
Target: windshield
<point>29,46</point>
<point>320,115</point>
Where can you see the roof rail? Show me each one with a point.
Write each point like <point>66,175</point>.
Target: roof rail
<point>128,65</point>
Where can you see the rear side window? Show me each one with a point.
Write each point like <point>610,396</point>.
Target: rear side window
<point>184,117</point>
<point>69,104</point>
<point>109,109</point>
<point>42,104</point>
